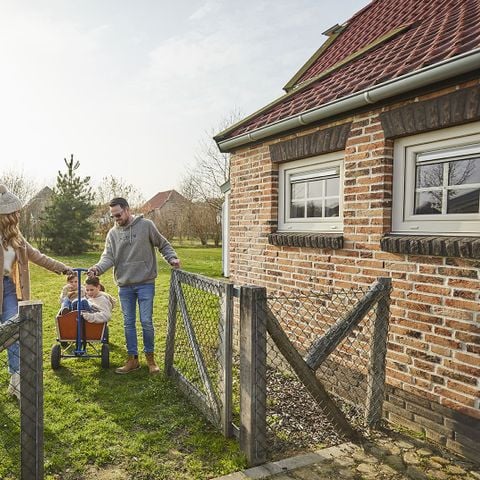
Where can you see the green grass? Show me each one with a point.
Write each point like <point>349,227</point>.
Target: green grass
<point>136,426</point>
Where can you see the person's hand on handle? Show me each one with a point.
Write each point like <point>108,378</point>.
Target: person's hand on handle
<point>174,262</point>
<point>92,272</point>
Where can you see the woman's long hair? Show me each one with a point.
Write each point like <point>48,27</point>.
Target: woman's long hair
<point>9,231</point>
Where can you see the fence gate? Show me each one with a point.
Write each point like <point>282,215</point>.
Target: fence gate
<point>307,368</point>
<point>199,344</point>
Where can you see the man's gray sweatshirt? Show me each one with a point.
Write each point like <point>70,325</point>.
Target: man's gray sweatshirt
<point>130,251</point>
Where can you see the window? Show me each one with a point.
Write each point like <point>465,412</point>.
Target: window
<point>436,188</point>
<point>310,194</point>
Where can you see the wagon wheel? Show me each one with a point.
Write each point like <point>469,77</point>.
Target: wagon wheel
<point>105,356</point>
<point>55,356</point>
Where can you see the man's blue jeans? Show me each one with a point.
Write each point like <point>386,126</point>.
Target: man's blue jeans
<point>10,309</point>
<point>142,294</point>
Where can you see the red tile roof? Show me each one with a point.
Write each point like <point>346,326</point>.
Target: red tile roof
<point>433,30</point>
<point>158,200</point>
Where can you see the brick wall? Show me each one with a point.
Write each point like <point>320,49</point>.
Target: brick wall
<point>433,362</point>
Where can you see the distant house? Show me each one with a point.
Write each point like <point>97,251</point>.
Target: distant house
<point>32,213</point>
<point>369,166</point>
<point>167,210</point>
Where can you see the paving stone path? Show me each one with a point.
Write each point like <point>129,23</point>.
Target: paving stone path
<point>382,458</point>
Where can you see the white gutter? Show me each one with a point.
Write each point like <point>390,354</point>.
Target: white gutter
<point>443,70</point>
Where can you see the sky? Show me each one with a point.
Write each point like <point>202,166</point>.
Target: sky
<point>131,87</point>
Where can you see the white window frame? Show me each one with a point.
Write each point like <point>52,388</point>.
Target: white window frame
<point>440,144</point>
<point>308,166</point>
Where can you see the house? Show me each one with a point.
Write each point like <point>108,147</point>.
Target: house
<point>166,210</point>
<point>369,165</point>
<point>31,215</point>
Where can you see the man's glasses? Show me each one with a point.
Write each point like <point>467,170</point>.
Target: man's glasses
<point>116,215</point>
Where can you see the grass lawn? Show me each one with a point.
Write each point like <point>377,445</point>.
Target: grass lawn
<point>102,425</point>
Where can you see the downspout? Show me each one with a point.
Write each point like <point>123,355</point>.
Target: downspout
<point>443,70</point>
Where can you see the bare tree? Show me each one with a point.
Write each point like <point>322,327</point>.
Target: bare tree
<point>202,180</point>
<point>24,188</point>
<point>211,168</point>
<point>109,188</point>
<point>19,184</point>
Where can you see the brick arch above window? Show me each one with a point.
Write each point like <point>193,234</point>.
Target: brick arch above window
<point>329,140</point>
<point>448,110</point>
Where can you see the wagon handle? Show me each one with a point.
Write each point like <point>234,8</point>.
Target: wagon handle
<point>79,316</point>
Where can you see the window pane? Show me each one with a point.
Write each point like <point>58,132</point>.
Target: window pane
<point>298,190</point>
<point>332,186</point>
<point>297,210</point>
<point>463,201</point>
<point>332,208</point>
<point>314,208</point>
<point>429,175</point>
<point>315,188</point>
<point>464,171</point>
<point>428,202</point>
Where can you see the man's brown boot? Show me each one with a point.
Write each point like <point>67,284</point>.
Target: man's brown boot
<point>131,365</point>
<point>152,366</point>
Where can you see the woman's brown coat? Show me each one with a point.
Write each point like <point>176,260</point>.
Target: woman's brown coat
<point>21,273</point>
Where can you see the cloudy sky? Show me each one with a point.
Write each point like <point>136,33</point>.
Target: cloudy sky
<point>130,87</point>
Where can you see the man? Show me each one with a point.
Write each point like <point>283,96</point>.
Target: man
<point>130,250</point>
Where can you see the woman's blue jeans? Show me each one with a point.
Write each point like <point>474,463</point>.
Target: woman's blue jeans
<point>142,294</point>
<point>10,309</point>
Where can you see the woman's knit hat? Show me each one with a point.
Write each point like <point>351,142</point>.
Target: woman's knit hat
<point>9,202</point>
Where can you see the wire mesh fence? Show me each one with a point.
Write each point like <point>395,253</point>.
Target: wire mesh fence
<point>294,419</point>
<point>293,370</point>
<point>21,399</point>
<point>10,421</point>
<point>317,366</point>
<point>198,343</point>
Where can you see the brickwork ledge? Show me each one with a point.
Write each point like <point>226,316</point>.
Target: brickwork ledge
<point>466,247</point>
<point>309,240</point>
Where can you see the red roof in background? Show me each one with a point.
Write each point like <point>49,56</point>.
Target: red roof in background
<point>437,30</point>
<point>158,200</point>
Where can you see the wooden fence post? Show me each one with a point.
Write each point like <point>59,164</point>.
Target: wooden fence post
<point>378,352</point>
<point>226,353</point>
<point>253,369</point>
<point>31,388</point>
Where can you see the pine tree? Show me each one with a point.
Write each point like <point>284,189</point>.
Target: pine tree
<point>67,225</point>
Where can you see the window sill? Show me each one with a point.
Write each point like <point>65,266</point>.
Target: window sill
<point>465,247</point>
<point>309,240</point>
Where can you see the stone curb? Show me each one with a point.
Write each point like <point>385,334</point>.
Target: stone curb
<point>283,466</point>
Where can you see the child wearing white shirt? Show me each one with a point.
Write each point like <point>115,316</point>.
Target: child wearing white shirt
<point>101,303</point>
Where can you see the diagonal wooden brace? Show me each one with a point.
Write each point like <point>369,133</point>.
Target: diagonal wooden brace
<point>325,345</point>
<point>307,377</point>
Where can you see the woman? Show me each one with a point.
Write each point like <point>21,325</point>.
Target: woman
<point>15,253</point>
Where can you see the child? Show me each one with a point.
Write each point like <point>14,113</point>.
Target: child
<point>69,293</point>
<point>101,303</point>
